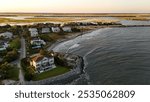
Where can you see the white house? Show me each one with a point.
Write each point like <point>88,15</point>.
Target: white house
<point>45,30</point>
<point>37,43</point>
<point>56,29</point>
<point>3,46</point>
<point>7,35</point>
<point>42,63</point>
<point>94,23</point>
<point>33,32</point>
<point>66,29</point>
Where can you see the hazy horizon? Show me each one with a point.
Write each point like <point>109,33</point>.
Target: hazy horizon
<point>75,6</point>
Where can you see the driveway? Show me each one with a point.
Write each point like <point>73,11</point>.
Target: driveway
<point>22,55</point>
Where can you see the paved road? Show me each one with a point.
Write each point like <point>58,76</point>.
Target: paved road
<point>22,55</point>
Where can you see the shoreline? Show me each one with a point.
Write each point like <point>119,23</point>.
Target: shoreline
<point>65,78</point>
<point>74,35</point>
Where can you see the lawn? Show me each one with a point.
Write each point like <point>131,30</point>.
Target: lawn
<point>55,72</point>
<point>14,74</point>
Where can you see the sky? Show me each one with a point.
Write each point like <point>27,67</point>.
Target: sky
<point>76,6</point>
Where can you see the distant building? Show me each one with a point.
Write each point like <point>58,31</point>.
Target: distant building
<point>94,23</point>
<point>33,32</point>
<point>37,43</point>
<point>7,35</point>
<point>3,46</point>
<point>84,23</point>
<point>66,29</point>
<point>42,63</point>
<point>45,30</point>
<point>56,29</point>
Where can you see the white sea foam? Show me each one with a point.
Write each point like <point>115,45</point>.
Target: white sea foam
<point>74,46</point>
<point>88,53</point>
<point>73,43</point>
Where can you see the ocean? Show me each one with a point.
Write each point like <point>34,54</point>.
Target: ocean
<point>112,56</point>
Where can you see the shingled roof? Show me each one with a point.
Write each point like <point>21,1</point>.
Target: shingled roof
<point>38,57</point>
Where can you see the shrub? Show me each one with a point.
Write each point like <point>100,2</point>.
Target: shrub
<point>28,73</point>
<point>11,56</point>
<point>46,37</point>
<point>76,30</point>
<point>8,71</point>
<point>15,43</point>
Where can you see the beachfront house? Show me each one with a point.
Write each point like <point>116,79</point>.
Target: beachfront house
<point>6,35</point>
<point>42,63</point>
<point>45,30</point>
<point>94,23</point>
<point>33,32</point>
<point>56,29</point>
<point>3,46</point>
<point>37,43</point>
<point>66,29</point>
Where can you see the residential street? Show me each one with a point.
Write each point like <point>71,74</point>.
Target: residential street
<point>22,55</point>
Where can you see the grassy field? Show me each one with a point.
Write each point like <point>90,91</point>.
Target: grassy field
<point>54,72</point>
<point>55,19</point>
<point>14,74</point>
<point>31,20</point>
<point>69,17</point>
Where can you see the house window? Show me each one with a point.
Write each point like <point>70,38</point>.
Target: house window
<point>38,65</point>
<point>51,61</point>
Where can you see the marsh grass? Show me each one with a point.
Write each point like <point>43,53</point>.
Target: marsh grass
<point>70,17</point>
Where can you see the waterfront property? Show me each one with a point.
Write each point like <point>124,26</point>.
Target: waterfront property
<point>56,29</point>
<point>37,43</point>
<point>3,46</point>
<point>33,32</point>
<point>45,30</point>
<point>42,63</point>
<point>6,35</point>
<point>62,74</point>
<point>66,29</point>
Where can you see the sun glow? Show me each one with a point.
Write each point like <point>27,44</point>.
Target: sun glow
<point>75,6</point>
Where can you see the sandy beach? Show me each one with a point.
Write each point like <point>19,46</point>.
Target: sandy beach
<point>72,36</point>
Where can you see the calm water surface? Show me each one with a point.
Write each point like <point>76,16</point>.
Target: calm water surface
<point>113,55</point>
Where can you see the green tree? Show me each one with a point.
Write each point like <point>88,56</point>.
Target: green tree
<point>11,56</point>
<point>15,43</point>
<point>43,52</point>
<point>4,68</point>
